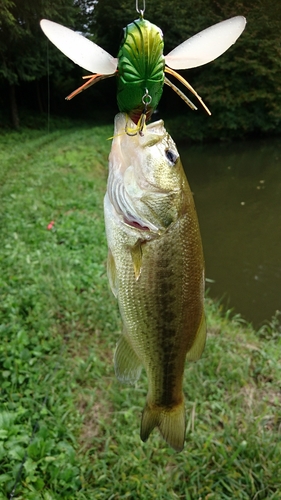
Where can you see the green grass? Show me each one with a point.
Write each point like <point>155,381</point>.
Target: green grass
<point>68,429</point>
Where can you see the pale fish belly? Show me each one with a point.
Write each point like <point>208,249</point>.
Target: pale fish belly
<point>159,283</point>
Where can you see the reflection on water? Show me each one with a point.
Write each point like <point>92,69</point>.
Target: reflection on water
<point>237,191</point>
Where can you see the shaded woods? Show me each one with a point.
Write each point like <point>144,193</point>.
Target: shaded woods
<point>242,87</point>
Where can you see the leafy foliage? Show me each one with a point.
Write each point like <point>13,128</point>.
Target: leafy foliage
<point>22,47</point>
<point>242,87</point>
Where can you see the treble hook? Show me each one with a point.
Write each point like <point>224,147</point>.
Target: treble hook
<point>140,11</point>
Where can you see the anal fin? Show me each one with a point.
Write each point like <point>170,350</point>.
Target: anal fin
<point>126,363</point>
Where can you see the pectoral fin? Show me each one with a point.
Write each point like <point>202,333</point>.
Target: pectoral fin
<point>126,363</point>
<point>136,253</point>
<point>199,343</point>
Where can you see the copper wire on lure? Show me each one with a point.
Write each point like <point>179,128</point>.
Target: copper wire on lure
<point>140,66</point>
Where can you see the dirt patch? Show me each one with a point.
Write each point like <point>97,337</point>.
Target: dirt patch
<point>96,414</point>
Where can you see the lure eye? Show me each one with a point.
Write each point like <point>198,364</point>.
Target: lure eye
<point>171,156</point>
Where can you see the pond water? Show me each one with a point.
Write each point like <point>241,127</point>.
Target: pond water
<point>237,192</point>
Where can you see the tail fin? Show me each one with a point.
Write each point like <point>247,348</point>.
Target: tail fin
<point>170,421</point>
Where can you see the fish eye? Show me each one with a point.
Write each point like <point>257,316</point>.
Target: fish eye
<point>171,156</point>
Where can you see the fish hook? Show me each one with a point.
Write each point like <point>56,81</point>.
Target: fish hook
<point>140,11</point>
<point>146,100</point>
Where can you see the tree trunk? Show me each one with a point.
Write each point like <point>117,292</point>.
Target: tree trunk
<point>14,107</point>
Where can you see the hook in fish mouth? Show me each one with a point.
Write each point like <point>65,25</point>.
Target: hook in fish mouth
<point>132,129</point>
<point>140,117</point>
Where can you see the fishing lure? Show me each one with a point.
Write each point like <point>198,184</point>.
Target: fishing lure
<point>140,65</point>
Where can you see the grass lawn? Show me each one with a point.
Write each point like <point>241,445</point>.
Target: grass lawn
<point>68,429</point>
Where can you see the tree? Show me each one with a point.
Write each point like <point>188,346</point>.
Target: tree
<point>22,44</point>
<point>242,87</point>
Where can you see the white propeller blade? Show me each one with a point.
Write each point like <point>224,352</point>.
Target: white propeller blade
<point>79,49</point>
<point>207,45</point>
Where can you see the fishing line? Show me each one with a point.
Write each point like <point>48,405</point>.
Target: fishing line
<point>36,425</point>
<point>48,89</point>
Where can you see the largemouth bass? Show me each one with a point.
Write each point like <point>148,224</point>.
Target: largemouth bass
<point>156,271</point>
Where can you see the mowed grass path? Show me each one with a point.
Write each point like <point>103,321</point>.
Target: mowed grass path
<point>68,429</point>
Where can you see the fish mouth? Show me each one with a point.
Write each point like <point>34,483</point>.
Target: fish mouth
<point>148,135</point>
<point>152,134</point>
